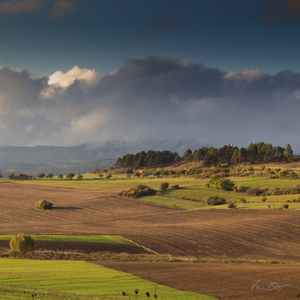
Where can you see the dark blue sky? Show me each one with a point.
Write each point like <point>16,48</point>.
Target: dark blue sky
<point>100,34</point>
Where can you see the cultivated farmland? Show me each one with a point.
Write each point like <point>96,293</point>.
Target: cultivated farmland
<point>215,244</point>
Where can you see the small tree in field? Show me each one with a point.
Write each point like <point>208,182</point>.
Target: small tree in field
<point>79,177</point>
<point>41,175</point>
<point>70,175</point>
<point>22,243</point>
<point>50,175</point>
<point>164,186</point>
<point>60,176</point>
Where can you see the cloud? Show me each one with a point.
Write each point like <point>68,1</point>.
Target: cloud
<point>20,6</point>
<point>60,8</point>
<point>157,99</point>
<point>90,77</point>
<point>287,10</point>
<point>246,75</point>
<point>90,122</point>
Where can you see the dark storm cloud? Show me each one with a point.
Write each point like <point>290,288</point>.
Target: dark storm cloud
<point>157,99</point>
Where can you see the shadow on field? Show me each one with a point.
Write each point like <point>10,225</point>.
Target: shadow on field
<point>65,208</point>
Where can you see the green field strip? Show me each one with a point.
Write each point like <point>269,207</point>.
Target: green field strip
<point>82,279</point>
<point>113,184</point>
<point>107,239</point>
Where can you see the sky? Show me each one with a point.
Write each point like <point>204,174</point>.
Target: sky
<point>200,73</point>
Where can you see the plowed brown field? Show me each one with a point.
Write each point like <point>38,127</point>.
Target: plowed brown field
<point>235,234</point>
<point>222,281</point>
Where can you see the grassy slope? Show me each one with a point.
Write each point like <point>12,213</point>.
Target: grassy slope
<point>82,279</point>
<point>109,239</point>
<point>193,189</point>
<point>117,184</point>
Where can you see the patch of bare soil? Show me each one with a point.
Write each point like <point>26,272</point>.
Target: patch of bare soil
<point>81,247</point>
<point>236,234</point>
<point>222,281</point>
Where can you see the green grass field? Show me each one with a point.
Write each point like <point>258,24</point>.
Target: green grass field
<point>117,184</point>
<point>78,278</point>
<point>108,239</point>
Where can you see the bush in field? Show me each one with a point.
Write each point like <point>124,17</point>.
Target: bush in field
<point>22,243</point>
<point>164,186</point>
<point>213,179</point>
<point>225,184</point>
<point>79,177</point>
<point>243,200</point>
<point>43,205</point>
<point>136,191</point>
<point>254,191</point>
<point>231,205</point>
<point>219,183</point>
<point>239,188</point>
<point>214,200</point>
<point>264,199</point>
<point>283,173</point>
<point>175,187</point>
<point>286,206</point>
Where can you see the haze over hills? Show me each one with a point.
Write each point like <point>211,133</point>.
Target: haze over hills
<point>76,159</point>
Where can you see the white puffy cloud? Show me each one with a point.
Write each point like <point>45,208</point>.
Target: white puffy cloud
<point>90,77</point>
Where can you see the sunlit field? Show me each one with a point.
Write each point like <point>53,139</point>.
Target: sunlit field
<point>77,280</point>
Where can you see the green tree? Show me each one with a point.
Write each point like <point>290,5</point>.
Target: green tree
<point>79,177</point>
<point>70,175</point>
<point>235,156</point>
<point>177,158</point>
<point>11,176</point>
<point>50,175</point>
<point>41,175</point>
<point>186,154</point>
<point>288,152</point>
<point>60,176</point>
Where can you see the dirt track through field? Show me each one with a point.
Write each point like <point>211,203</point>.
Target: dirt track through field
<point>240,234</point>
<point>223,281</point>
